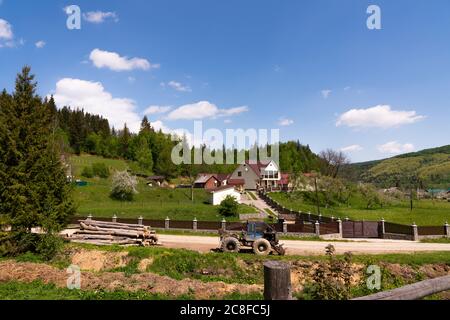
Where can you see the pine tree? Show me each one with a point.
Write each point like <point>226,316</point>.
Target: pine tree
<point>145,125</point>
<point>34,191</point>
<point>124,142</point>
<point>143,154</point>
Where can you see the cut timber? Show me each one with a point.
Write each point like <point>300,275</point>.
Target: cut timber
<point>111,233</point>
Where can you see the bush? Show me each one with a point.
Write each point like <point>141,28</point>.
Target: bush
<point>87,172</point>
<point>332,279</point>
<point>229,207</point>
<point>46,246</point>
<point>100,170</point>
<point>123,186</point>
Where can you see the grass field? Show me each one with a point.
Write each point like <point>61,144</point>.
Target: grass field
<point>178,264</point>
<point>425,212</point>
<point>151,203</point>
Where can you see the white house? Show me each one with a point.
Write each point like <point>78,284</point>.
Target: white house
<point>219,194</point>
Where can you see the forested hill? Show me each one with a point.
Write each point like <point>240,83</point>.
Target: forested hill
<point>81,132</point>
<point>428,168</point>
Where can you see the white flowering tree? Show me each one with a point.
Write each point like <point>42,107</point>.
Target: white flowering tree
<point>124,186</point>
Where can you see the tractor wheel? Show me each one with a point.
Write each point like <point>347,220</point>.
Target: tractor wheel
<point>231,245</point>
<point>261,247</point>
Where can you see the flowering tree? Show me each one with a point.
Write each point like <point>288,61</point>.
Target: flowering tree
<point>123,186</point>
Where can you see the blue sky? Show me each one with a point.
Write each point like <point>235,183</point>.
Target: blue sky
<point>311,68</point>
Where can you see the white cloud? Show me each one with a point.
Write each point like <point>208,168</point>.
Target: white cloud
<point>40,44</point>
<point>6,32</point>
<point>156,110</point>
<point>131,79</point>
<point>352,148</point>
<point>113,61</point>
<point>93,98</point>
<point>285,122</point>
<point>202,110</point>
<point>100,16</point>
<point>394,147</point>
<point>179,87</point>
<point>380,116</point>
<point>326,93</point>
<point>227,121</point>
<point>347,88</point>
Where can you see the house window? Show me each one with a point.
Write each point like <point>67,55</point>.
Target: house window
<point>239,173</point>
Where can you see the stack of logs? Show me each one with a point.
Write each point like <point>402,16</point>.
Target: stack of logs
<point>110,233</point>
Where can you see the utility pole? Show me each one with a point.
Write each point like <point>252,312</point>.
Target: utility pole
<point>317,194</point>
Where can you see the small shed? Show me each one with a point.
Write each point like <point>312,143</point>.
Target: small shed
<point>219,194</point>
<point>156,180</point>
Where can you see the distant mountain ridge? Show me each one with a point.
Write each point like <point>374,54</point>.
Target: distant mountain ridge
<point>430,167</point>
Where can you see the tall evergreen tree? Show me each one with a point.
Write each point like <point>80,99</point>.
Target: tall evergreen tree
<point>145,125</point>
<point>34,191</point>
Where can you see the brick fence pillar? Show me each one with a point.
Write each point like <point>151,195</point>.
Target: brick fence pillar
<point>140,221</point>
<point>194,224</point>
<point>114,218</point>
<point>447,230</point>
<point>382,228</point>
<point>285,228</point>
<point>167,223</point>
<point>415,232</point>
<point>341,233</point>
<point>224,224</point>
<point>317,228</point>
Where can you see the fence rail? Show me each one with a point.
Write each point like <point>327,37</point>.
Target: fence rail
<point>414,291</point>
<point>351,229</point>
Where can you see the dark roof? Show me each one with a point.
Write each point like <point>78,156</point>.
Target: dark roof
<point>236,182</point>
<point>221,188</point>
<point>156,178</point>
<point>204,178</point>
<point>256,166</point>
<point>222,176</point>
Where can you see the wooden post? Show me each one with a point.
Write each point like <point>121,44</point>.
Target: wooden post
<point>277,281</point>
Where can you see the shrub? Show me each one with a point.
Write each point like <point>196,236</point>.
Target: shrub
<point>100,170</point>
<point>123,186</point>
<point>229,207</point>
<point>87,172</point>
<point>45,246</point>
<point>332,279</point>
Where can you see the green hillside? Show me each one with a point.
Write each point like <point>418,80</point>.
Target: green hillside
<point>151,203</point>
<point>430,166</point>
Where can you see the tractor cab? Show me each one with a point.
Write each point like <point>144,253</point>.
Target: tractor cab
<point>256,230</point>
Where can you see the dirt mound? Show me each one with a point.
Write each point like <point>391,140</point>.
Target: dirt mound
<point>95,260</point>
<point>303,272</point>
<point>149,282</point>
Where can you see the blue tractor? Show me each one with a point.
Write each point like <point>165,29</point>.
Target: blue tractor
<point>259,236</point>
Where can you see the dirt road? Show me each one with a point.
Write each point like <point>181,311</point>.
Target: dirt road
<point>294,247</point>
